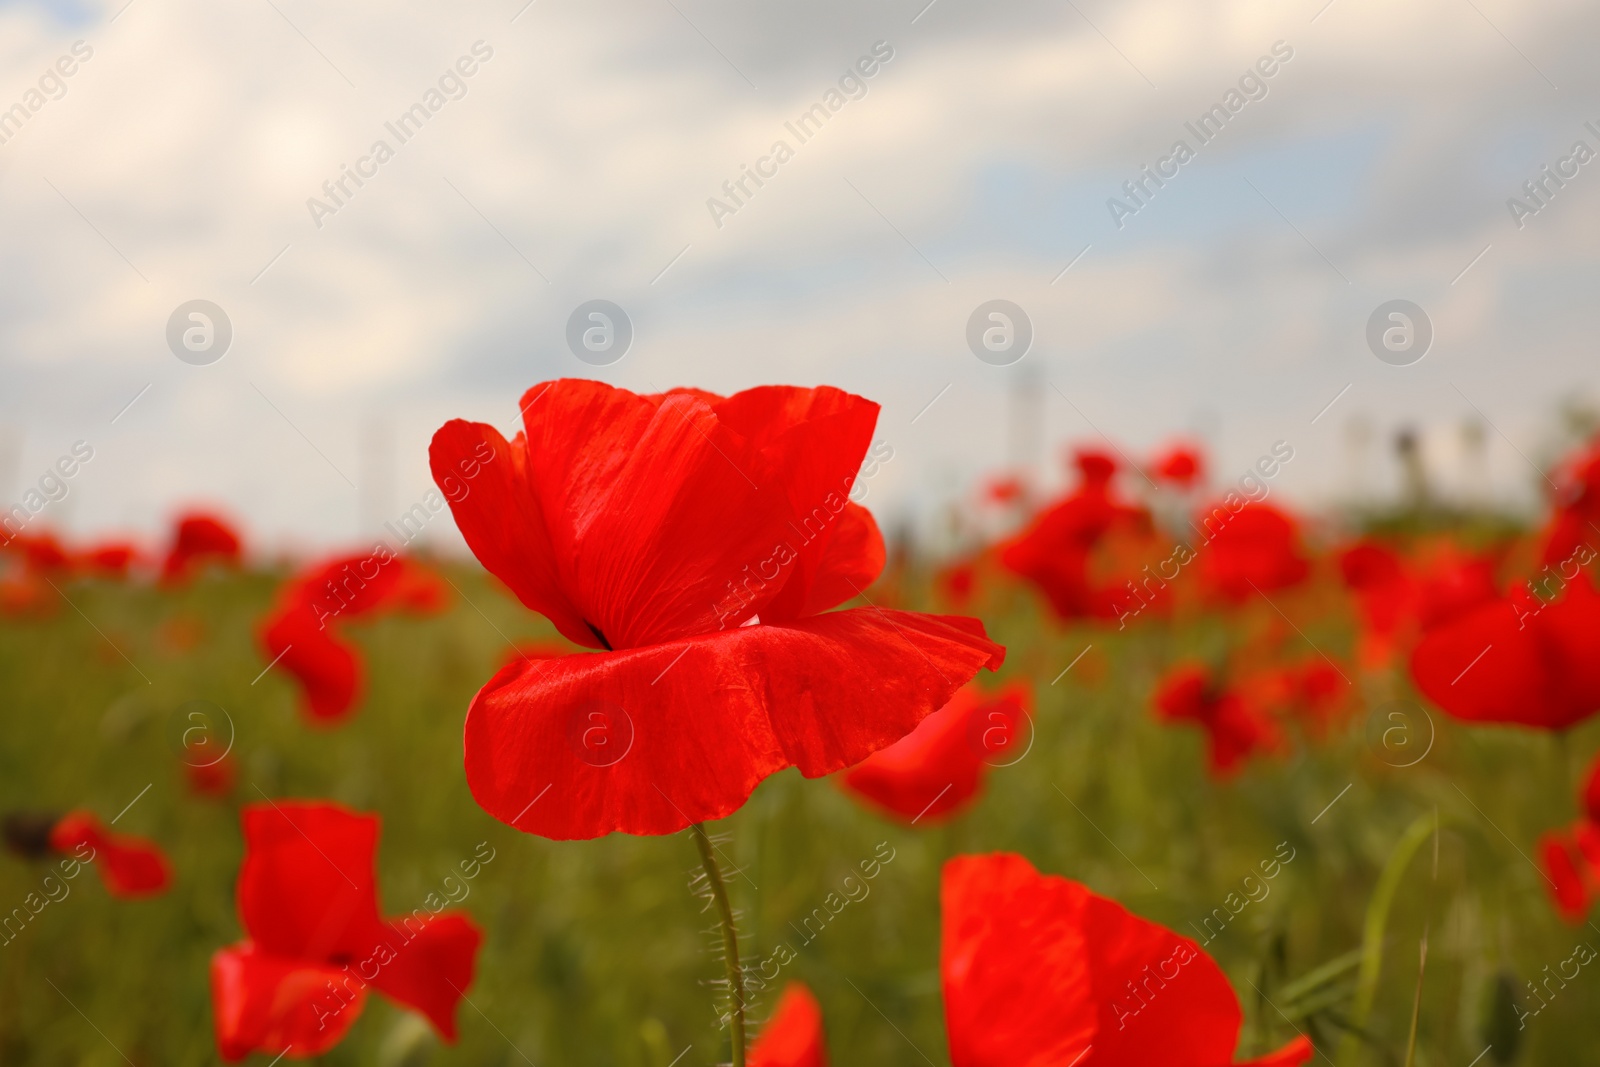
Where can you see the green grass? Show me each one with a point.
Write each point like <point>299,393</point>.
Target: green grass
<point>598,953</point>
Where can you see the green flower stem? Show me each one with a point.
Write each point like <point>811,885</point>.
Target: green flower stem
<point>730,939</point>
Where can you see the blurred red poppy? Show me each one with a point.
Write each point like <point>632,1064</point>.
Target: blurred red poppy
<point>1064,551</point>
<point>212,780</point>
<point>1571,857</point>
<point>1040,972</point>
<point>1516,659</point>
<point>43,552</point>
<point>936,771</point>
<point>302,633</point>
<point>1236,726</point>
<point>108,559</point>
<point>793,1037</point>
<point>309,905</point>
<point>699,541</point>
<point>129,866</point>
<point>199,538</point>
<point>1574,529</point>
<point>1254,549</point>
<point>1182,464</point>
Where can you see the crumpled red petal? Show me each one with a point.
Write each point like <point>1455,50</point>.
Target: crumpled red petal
<point>794,1036</point>
<point>129,866</point>
<point>306,886</point>
<point>649,740</point>
<point>276,1005</point>
<point>644,519</point>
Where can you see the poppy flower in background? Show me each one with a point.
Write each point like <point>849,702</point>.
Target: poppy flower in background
<point>1574,528</point>
<point>108,559</point>
<point>212,780</point>
<point>303,632</point>
<point>1063,551</point>
<point>130,867</point>
<point>1006,489</point>
<point>698,541</point>
<point>309,906</point>
<point>793,1037</point>
<point>1571,857</point>
<point>1181,465</point>
<point>1384,595</point>
<point>1040,972</point>
<point>199,538</point>
<point>1516,660</point>
<point>936,770</point>
<point>1236,726</point>
<point>1254,548</point>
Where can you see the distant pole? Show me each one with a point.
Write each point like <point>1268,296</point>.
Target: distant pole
<point>1025,421</point>
<point>1357,436</point>
<point>376,475</point>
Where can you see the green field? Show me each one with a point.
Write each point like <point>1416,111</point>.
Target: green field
<point>598,953</point>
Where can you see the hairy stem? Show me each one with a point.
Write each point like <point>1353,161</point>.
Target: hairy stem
<point>730,939</point>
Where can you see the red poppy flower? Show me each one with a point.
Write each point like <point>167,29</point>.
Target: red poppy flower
<point>303,631</point>
<point>1040,972</point>
<point>1182,464</point>
<point>1256,547</point>
<point>1574,529</point>
<point>212,780</point>
<point>1236,727</point>
<point>1063,552</point>
<point>936,770</point>
<point>309,906</point>
<point>44,552</point>
<point>129,866</point>
<point>698,541</point>
<point>1517,659</point>
<point>108,559</point>
<point>793,1037</point>
<point>1005,489</point>
<point>199,538</point>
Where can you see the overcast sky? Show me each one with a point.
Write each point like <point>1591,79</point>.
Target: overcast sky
<point>577,160</point>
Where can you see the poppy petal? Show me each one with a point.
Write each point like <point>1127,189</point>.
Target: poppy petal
<point>485,479</point>
<point>431,967</point>
<point>1160,999</point>
<point>850,561</point>
<point>793,1037</point>
<point>1015,965</point>
<point>329,674</point>
<point>649,740</point>
<point>1567,887</point>
<point>306,885</point>
<point>666,519</point>
<point>936,770</point>
<point>279,1006</point>
<point>129,866</point>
